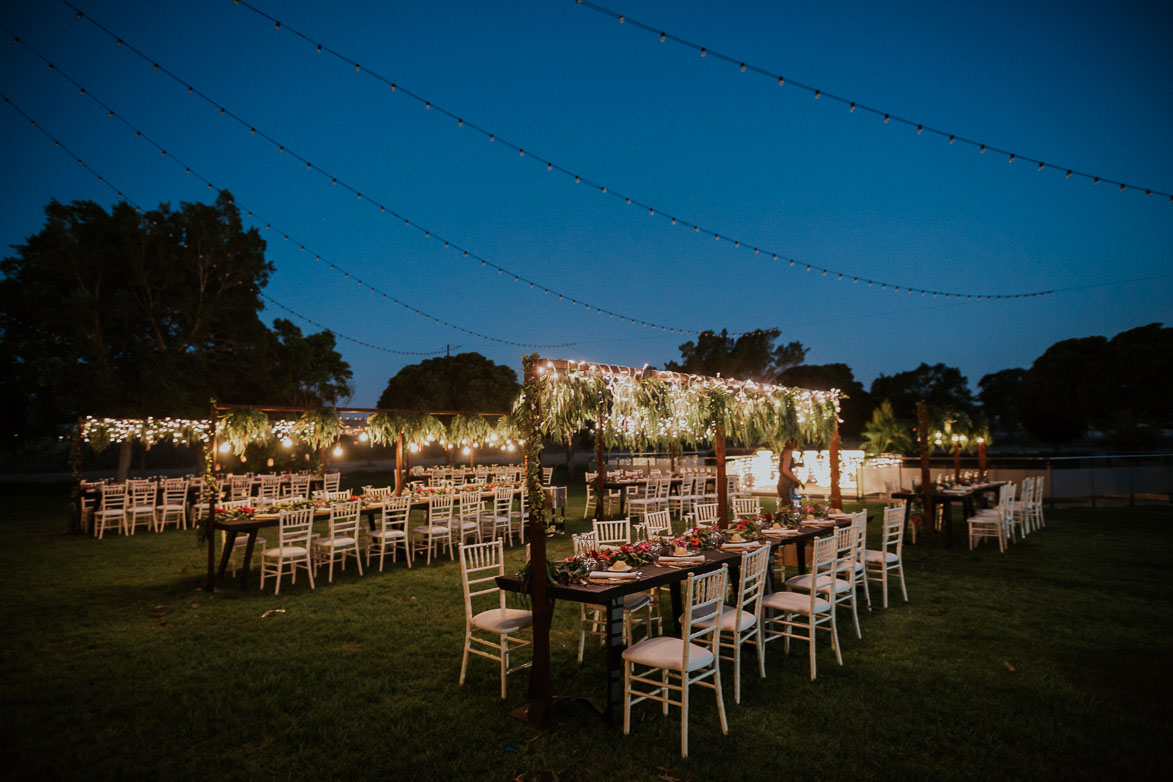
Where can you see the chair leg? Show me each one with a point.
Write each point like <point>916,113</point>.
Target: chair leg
<point>902,589</point>
<point>684,715</point>
<point>736,669</point>
<point>720,697</point>
<point>464,660</point>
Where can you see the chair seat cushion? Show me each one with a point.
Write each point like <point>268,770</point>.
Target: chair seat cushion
<point>886,557</point>
<point>382,534</point>
<point>285,551</point>
<point>636,600</point>
<point>668,652</point>
<point>465,525</point>
<point>731,619</point>
<point>336,541</point>
<point>844,566</point>
<point>503,620</point>
<point>794,603</point>
<point>824,584</point>
<point>430,529</point>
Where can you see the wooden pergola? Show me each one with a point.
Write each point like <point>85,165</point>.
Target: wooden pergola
<point>540,696</point>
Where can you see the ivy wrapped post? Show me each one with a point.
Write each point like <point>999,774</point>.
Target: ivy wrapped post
<point>957,461</point>
<point>922,440</point>
<point>537,710</point>
<point>836,498</point>
<point>982,458</point>
<point>600,461</point>
<point>206,531</point>
<point>722,484</point>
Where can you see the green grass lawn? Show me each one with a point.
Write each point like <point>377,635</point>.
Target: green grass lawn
<point>1050,661</point>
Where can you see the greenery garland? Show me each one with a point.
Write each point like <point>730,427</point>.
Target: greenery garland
<point>242,427</point>
<point>384,427</point>
<point>418,427</point>
<point>468,430</point>
<point>318,428</point>
<point>507,428</point>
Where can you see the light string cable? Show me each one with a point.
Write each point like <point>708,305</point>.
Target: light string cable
<point>651,209</point>
<point>383,208</point>
<point>852,105</point>
<point>138,133</point>
<point>137,208</point>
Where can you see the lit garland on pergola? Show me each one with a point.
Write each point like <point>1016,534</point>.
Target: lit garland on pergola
<point>100,432</point>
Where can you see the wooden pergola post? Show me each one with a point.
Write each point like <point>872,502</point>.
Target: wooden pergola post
<point>722,484</point>
<point>922,438</point>
<point>537,710</point>
<point>210,488</point>
<point>957,461</point>
<point>836,499</point>
<point>982,458</point>
<point>600,463</point>
<point>399,464</point>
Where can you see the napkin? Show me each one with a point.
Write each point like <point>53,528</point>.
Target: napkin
<point>690,559</point>
<point>615,575</point>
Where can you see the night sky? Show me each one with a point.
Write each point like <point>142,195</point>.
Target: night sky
<point>1085,86</point>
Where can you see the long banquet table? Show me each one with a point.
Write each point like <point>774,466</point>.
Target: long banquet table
<point>966,495</point>
<point>610,596</point>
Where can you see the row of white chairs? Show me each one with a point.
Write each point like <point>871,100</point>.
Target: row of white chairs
<point>1018,513</point>
<point>662,668</point>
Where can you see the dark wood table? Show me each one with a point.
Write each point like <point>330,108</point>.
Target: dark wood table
<point>945,499</point>
<point>610,597</point>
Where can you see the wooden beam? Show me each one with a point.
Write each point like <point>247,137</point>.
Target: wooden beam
<point>541,697</point>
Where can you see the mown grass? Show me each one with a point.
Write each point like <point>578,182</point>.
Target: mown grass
<point>1050,661</point>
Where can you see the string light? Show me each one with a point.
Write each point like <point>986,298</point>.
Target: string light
<point>335,180</point>
<point>317,257</point>
<point>846,101</point>
<point>578,179</point>
<point>181,431</point>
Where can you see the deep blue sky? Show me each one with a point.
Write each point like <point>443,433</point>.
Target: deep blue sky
<point>1084,85</point>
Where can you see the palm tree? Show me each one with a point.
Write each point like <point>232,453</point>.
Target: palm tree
<point>885,433</point>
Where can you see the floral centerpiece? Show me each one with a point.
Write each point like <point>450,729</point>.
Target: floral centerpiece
<point>577,569</point>
<point>746,530</point>
<point>700,538</point>
<point>298,505</point>
<point>235,514</point>
<point>816,509</point>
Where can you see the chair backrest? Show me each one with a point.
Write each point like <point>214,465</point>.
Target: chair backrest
<point>613,533</point>
<point>344,519</point>
<point>585,542</point>
<point>174,491</point>
<point>299,484</point>
<point>687,486</point>
<point>295,527</point>
<point>547,475</point>
<point>1028,489</point>
<point>114,496</point>
<point>705,596</point>
<point>440,509</point>
<point>639,491</point>
<point>662,487</point>
<point>847,543</point>
<point>502,500</point>
<point>231,504</point>
<point>754,567</point>
<point>706,514</point>
<point>823,561</point>
<point>893,534</point>
<point>1039,481</point>
<point>142,493</point>
<point>480,564</point>
<point>331,481</point>
<point>859,520</point>
<point>747,507</point>
<point>470,504</point>
<point>376,492</point>
<point>658,524</point>
<point>394,512</point>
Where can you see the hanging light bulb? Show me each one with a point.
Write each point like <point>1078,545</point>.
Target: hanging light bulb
<point>414,447</point>
<point>337,450</point>
<point>287,442</point>
<point>363,437</point>
<point>466,450</point>
<point>225,447</point>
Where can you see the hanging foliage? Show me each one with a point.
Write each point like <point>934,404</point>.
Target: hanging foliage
<point>468,430</point>
<point>507,428</point>
<point>423,428</point>
<point>242,427</point>
<point>318,428</point>
<point>384,427</point>
<point>100,432</point>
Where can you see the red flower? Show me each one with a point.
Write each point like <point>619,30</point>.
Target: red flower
<point>768,516</point>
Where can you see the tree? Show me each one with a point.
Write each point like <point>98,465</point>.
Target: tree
<point>305,371</point>
<point>125,314</point>
<point>823,377</point>
<point>466,381</point>
<point>998,392</point>
<point>885,433</point>
<point>752,356</point>
<point>940,386</point>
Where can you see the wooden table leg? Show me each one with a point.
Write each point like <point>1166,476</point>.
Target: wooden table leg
<point>248,558</point>
<point>677,604</point>
<point>907,520</point>
<point>226,554</point>
<point>614,709</point>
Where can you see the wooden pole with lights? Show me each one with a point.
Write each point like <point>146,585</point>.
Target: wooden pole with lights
<point>836,498</point>
<point>399,464</point>
<point>981,443</point>
<point>722,484</point>
<point>922,439</point>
